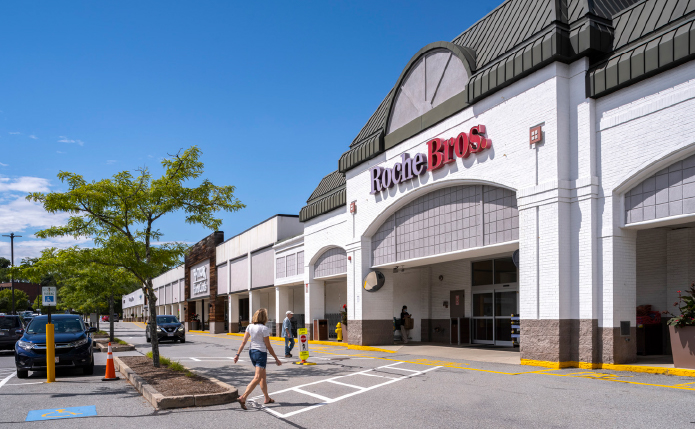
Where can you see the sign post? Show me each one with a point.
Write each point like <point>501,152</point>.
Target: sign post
<point>303,347</point>
<point>49,300</point>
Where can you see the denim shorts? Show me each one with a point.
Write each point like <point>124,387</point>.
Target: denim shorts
<point>258,358</point>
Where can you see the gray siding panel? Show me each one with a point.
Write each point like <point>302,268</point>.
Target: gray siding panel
<point>240,274</point>
<point>447,220</point>
<point>280,269</point>
<point>262,265</point>
<point>222,287</point>
<point>300,262</point>
<point>331,262</point>
<point>291,265</point>
<point>669,192</point>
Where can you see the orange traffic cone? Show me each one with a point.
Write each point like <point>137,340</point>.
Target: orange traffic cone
<point>110,369</point>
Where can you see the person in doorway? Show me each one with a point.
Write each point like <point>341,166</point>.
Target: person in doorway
<point>259,334</point>
<point>404,315</point>
<point>287,334</point>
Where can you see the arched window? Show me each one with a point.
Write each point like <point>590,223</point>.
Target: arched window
<point>447,220</point>
<point>434,78</point>
<point>331,262</point>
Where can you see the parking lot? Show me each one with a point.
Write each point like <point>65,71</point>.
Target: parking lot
<point>349,388</point>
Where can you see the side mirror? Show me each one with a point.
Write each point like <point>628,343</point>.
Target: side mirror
<point>19,331</point>
<point>91,330</point>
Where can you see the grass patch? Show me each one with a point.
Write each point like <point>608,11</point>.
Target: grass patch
<point>102,333</point>
<point>171,364</point>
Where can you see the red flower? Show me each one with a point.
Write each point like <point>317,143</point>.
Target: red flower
<point>679,291</point>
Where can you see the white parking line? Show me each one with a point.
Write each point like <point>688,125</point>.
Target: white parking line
<point>6,379</point>
<point>326,401</point>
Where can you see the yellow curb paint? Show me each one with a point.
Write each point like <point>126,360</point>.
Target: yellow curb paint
<point>199,332</point>
<point>610,366</point>
<point>370,349</point>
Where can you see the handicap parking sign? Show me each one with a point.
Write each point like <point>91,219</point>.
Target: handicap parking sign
<point>61,413</point>
<point>49,296</point>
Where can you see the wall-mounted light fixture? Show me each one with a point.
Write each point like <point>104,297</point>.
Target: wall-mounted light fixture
<point>441,278</point>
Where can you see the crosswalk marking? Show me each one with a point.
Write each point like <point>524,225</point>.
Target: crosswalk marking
<point>326,400</point>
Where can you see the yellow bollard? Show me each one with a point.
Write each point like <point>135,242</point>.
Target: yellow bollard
<point>339,331</point>
<point>50,354</point>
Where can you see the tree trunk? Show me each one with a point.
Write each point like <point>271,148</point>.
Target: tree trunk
<point>97,311</point>
<point>152,305</point>
<point>111,318</point>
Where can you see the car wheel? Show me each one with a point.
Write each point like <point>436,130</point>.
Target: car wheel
<point>89,369</point>
<point>22,373</point>
<point>148,339</point>
<point>183,340</point>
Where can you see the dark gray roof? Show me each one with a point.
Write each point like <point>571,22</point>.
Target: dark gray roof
<point>521,36</point>
<point>646,17</point>
<point>329,183</point>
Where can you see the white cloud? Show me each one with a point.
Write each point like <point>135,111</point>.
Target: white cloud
<point>20,214</point>
<point>23,184</point>
<point>4,165</point>
<point>64,139</point>
<point>33,137</point>
<point>28,246</point>
<point>59,151</point>
<point>14,132</point>
<point>111,161</point>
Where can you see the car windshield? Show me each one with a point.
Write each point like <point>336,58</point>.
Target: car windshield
<point>60,326</point>
<point>9,322</point>
<point>167,319</point>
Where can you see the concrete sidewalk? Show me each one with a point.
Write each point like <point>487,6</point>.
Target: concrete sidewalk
<point>476,353</point>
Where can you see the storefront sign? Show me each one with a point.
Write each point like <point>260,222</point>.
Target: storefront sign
<point>200,280</point>
<point>439,153</point>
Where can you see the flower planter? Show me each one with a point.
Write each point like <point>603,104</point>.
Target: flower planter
<point>683,346</point>
<point>195,325</point>
<point>345,333</point>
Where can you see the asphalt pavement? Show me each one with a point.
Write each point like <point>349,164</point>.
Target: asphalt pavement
<point>351,388</point>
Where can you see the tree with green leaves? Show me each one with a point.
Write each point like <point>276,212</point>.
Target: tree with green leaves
<point>4,272</point>
<point>85,286</point>
<point>121,214</point>
<point>21,300</point>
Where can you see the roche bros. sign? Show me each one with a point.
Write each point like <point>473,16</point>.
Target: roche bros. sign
<point>439,153</point>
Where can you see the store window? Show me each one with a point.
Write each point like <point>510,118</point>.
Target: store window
<point>494,271</point>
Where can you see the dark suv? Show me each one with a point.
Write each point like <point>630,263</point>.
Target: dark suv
<point>168,328</point>
<point>11,329</point>
<point>73,345</point>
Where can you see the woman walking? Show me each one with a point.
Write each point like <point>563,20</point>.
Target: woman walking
<point>258,351</point>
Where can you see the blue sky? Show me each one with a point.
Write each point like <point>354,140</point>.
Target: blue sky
<point>272,92</point>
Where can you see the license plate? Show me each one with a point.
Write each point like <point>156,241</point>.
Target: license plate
<point>57,358</point>
<point>170,334</point>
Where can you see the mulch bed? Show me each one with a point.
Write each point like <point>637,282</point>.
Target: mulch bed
<point>168,382</point>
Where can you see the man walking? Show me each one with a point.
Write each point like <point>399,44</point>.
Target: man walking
<point>287,333</point>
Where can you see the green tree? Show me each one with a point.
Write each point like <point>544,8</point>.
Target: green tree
<point>121,215</point>
<point>85,286</point>
<point>4,272</point>
<point>21,300</point>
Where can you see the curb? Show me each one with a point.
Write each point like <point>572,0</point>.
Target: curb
<point>332,343</point>
<point>681,372</point>
<point>199,332</point>
<point>104,347</point>
<point>161,402</point>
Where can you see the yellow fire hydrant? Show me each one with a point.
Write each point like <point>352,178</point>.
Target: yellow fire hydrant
<point>339,331</point>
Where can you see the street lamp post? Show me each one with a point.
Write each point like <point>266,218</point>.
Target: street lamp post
<point>12,237</point>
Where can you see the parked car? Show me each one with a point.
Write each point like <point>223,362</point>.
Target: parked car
<point>168,328</point>
<point>105,318</point>
<point>73,345</point>
<point>11,329</point>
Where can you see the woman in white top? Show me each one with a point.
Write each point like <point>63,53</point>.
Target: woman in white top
<point>258,351</point>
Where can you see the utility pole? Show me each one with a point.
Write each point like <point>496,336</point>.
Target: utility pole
<point>12,237</point>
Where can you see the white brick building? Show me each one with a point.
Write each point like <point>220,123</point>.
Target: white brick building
<point>566,134</point>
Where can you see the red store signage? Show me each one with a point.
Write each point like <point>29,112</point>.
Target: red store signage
<point>439,153</point>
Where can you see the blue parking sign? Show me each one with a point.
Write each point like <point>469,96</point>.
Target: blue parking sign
<point>61,413</point>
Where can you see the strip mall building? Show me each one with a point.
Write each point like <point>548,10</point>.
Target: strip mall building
<point>564,130</point>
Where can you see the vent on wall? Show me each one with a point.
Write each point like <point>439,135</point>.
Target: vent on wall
<point>625,328</point>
